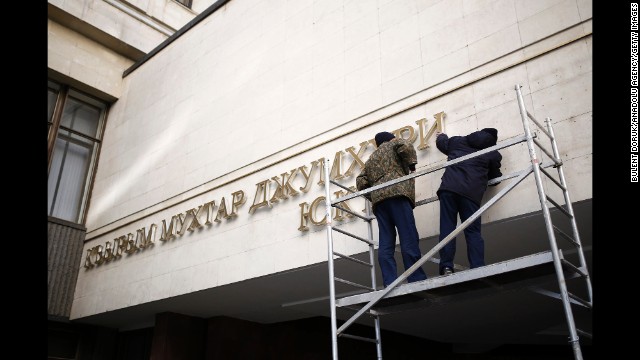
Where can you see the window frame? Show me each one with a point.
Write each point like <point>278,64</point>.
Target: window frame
<point>185,3</point>
<point>56,118</point>
<point>65,93</point>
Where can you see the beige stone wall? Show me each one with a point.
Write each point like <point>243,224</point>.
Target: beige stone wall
<point>200,5</point>
<point>85,60</point>
<point>94,42</point>
<point>142,24</point>
<point>264,87</point>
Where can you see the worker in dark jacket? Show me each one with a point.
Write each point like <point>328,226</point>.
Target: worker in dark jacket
<point>461,191</point>
<point>393,205</point>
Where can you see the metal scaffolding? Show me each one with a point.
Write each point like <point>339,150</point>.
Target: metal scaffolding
<point>547,262</point>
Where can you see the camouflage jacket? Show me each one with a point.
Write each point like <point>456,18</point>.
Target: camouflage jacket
<point>390,161</point>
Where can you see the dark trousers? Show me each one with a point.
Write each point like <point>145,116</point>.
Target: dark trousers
<point>397,213</point>
<point>452,205</point>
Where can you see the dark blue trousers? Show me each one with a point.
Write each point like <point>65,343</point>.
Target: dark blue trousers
<point>452,204</point>
<point>397,213</point>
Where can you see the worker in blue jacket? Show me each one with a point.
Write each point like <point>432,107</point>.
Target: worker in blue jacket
<point>461,191</point>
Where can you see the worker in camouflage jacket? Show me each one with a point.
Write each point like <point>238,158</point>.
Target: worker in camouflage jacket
<point>393,205</point>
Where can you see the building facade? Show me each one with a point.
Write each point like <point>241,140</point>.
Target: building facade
<point>90,45</point>
<point>186,142</point>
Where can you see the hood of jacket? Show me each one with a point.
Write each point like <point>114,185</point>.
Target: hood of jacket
<point>481,139</point>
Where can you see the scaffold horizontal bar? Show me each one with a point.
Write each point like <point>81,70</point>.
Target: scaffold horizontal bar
<point>499,146</point>
<point>365,218</point>
<point>580,300</point>
<point>353,236</point>
<point>553,179</point>
<point>347,257</point>
<point>539,125</point>
<point>353,284</point>
<point>360,338</point>
<point>567,237</point>
<point>574,268</point>
<point>584,333</point>
<point>342,186</point>
<point>553,158</point>
<point>559,207</point>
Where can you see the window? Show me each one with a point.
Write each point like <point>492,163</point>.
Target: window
<point>75,130</point>
<point>186,3</point>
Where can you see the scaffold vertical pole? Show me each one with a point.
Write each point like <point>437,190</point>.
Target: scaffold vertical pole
<point>535,162</point>
<point>373,277</point>
<point>332,288</point>
<point>567,201</point>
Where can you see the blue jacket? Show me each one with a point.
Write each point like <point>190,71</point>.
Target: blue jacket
<point>469,178</point>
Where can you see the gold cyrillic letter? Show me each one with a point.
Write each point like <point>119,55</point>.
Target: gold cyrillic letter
<point>237,199</point>
<point>142,239</point>
<point>120,244</point>
<point>279,193</point>
<point>438,125</point>
<point>222,211</point>
<point>356,158</point>
<point>412,133</point>
<point>287,184</point>
<point>195,224</point>
<point>335,173</point>
<point>209,206</point>
<point>100,258</point>
<point>131,244</point>
<point>108,252</point>
<point>87,260</point>
<point>312,211</point>
<point>304,217</point>
<point>261,188</point>
<point>168,234</point>
<point>307,177</point>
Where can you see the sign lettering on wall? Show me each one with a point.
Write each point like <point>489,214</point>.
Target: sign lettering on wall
<point>269,192</point>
